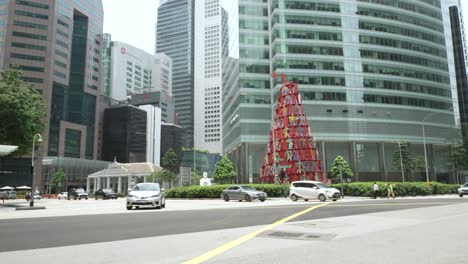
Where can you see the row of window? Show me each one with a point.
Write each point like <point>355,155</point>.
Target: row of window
<point>401,31</point>
<point>308,20</point>
<point>399,100</point>
<point>307,34</point>
<point>405,72</point>
<point>397,57</point>
<point>410,6</point>
<point>400,17</point>
<point>390,42</point>
<point>408,87</point>
<point>303,49</point>
<point>309,5</point>
<point>307,64</point>
<point>28,46</point>
<point>29,25</point>
<point>324,96</point>
<point>30,14</point>
<point>32,4</point>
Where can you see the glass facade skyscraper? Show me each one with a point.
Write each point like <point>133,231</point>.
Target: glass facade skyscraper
<point>57,44</point>
<point>174,37</point>
<point>371,73</point>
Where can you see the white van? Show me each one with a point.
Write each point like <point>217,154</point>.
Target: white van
<point>312,190</point>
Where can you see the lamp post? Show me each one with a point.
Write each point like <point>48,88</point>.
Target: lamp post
<point>39,140</point>
<point>340,167</point>
<point>401,163</point>
<point>424,142</point>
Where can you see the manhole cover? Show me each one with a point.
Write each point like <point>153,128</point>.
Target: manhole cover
<point>285,234</point>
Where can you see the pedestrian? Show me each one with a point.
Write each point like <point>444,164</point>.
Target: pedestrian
<point>283,178</point>
<point>390,191</point>
<point>376,189</point>
<point>27,196</point>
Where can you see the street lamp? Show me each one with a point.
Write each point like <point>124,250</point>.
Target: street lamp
<point>401,163</point>
<point>340,167</point>
<point>39,140</point>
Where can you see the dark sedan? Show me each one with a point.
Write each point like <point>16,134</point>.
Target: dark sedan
<point>242,192</point>
<point>105,194</point>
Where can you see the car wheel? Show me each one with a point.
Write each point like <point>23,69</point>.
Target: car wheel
<point>461,195</point>
<point>226,198</point>
<point>322,198</point>
<point>86,198</point>
<point>334,200</point>
<point>95,198</point>
<point>163,205</point>
<point>129,208</point>
<point>247,198</point>
<point>262,200</point>
<point>293,197</point>
<point>306,200</point>
<point>79,198</point>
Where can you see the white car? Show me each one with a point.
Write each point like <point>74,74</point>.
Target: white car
<point>63,195</point>
<point>463,190</point>
<point>144,194</point>
<point>312,190</point>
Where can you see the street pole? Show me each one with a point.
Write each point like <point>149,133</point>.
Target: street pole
<point>39,140</point>
<point>425,155</point>
<point>401,163</point>
<point>340,167</point>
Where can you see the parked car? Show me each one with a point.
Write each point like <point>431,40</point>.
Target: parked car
<point>37,196</point>
<point>312,190</point>
<point>63,195</point>
<point>463,190</point>
<point>78,194</point>
<point>146,194</point>
<point>242,192</point>
<point>105,194</point>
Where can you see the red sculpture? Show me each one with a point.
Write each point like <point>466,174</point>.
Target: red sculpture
<point>290,145</point>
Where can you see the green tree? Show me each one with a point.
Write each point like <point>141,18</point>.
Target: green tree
<point>224,172</point>
<point>58,180</point>
<point>155,177</point>
<point>335,172</point>
<point>171,161</point>
<point>22,111</point>
<point>408,159</point>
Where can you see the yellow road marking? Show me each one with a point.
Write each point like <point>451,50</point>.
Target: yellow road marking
<point>247,237</point>
<point>335,204</point>
<point>387,204</point>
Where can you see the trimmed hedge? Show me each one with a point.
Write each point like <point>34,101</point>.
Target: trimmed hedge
<point>399,188</point>
<point>350,189</point>
<point>272,190</point>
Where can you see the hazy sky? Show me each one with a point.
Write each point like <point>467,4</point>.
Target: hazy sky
<point>134,23</point>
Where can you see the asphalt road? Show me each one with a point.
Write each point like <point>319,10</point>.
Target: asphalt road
<point>46,232</point>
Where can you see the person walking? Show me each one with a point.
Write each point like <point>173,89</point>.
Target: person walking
<point>390,191</point>
<point>376,189</point>
<point>283,178</point>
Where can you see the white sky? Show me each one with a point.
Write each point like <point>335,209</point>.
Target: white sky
<point>134,23</point>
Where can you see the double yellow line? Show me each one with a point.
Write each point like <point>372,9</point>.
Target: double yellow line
<point>249,236</point>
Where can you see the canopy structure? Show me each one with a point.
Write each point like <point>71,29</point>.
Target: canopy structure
<point>121,176</point>
<point>7,149</point>
<point>23,188</point>
<point>7,188</point>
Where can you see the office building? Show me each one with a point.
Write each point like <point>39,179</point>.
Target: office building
<point>461,63</point>
<point>58,45</point>
<point>153,134</point>
<point>134,71</point>
<point>371,73</point>
<point>174,37</point>
<point>160,99</point>
<point>125,134</point>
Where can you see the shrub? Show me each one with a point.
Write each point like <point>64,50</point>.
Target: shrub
<point>272,190</point>
<point>399,188</point>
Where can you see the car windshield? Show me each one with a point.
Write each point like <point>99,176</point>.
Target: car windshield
<point>79,190</point>
<point>147,187</point>
<point>466,185</point>
<point>322,186</point>
<point>107,190</point>
<point>248,188</point>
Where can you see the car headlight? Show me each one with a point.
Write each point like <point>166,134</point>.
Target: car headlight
<point>155,196</point>
<point>131,196</point>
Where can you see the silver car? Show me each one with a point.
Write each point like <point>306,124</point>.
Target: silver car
<point>146,194</point>
<point>242,192</point>
<point>463,190</point>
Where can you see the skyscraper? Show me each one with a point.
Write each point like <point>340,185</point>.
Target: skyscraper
<point>371,73</point>
<point>58,44</point>
<point>174,37</point>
